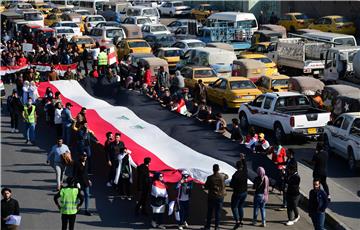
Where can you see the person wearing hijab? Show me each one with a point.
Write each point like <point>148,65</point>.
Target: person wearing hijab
<point>184,187</point>
<point>33,91</point>
<point>261,186</point>
<point>177,83</point>
<point>25,90</point>
<point>159,198</point>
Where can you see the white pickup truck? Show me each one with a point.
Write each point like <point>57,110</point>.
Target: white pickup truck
<point>343,137</point>
<point>286,113</point>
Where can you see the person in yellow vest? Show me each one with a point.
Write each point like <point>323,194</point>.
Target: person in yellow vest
<point>102,60</point>
<point>30,117</point>
<point>37,77</point>
<point>70,202</point>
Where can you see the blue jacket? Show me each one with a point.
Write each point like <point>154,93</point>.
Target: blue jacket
<point>318,201</point>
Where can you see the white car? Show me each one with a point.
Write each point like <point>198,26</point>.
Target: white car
<point>67,31</point>
<point>343,138</point>
<point>91,21</point>
<point>188,44</point>
<point>107,35</point>
<point>174,8</point>
<point>154,29</point>
<point>33,17</point>
<point>82,12</point>
<point>180,23</point>
<point>19,7</point>
<point>71,24</point>
<point>137,20</point>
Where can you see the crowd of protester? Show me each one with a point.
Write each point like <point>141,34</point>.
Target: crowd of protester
<point>73,152</point>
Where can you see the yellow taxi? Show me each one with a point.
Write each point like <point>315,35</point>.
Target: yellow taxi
<point>171,55</point>
<point>192,74</point>
<point>232,92</point>
<point>42,7</point>
<point>334,24</point>
<point>271,68</point>
<point>202,11</point>
<point>127,46</point>
<point>78,41</point>
<point>294,21</point>
<point>274,83</point>
<point>51,19</point>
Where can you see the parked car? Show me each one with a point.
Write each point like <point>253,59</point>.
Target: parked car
<point>67,31</point>
<point>181,23</point>
<point>43,7</point>
<point>294,21</point>
<point>305,85</point>
<point>127,46</point>
<point>70,24</point>
<point>274,83</point>
<point>286,114</point>
<point>107,24</point>
<point>137,20</point>
<point>144,11</point>
<point>332,92</point>
<point>158,41</point>
<point>192,74</point>
<point>76,18</point>
<point>231,92</point>
<point>51,19</point>
<point>19,7</point>
<point>269,64</point>
<point>342,137</point>
<point>248,68</point>
<point>334,24</point>
<point>187,44</point>
<point>202,11</point>
<point>80,40</point>
<point>82,12</point>
<point>346,104</point>
<point>171,55</point>
<point>154,29</point>
<point>92,20</point>
<point>106,35</point>
<point>174,8</point>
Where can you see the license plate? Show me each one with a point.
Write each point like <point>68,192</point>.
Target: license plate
<point>312,131</point>
<point>316,72</point>
<point>248,97</point>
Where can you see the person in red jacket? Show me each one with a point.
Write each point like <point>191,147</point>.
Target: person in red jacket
<point>22,60</point>
<point>147,79</point>
<point>278,154</point>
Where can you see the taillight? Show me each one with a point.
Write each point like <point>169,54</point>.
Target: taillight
<point>292,121</point>
<point>301,22</point>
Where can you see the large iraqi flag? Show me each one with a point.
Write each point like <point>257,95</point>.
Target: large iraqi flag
<point>171,152</point>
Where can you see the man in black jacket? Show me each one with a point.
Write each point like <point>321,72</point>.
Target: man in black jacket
<point>9,206</point>
<point>320,160</point>
<point>292,195</point>
<point>115,149</point>
<point>14,107</point>
<point>143,186</point>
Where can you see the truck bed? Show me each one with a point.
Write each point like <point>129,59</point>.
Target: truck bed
<point>300,110</point>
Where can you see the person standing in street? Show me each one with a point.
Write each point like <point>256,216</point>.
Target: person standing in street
<point>102,61</point>
<point>14,107</point>
<point>143,186</point>
<point>320,160</point>
<point>109,140</point>
<point>9,206</point>
<point>318,203</point>
<point>239,184</point>
<point>82,178</point>
<point>84,139</point>
<point>70,203</point>
<point>292,195</point>
<point>58,120</point>
<point>67,121</point>
<point>184,188</point>
<point>57,151</point>
<point>115,149</point>
<point>163,79</point>
<point>159,199</point>
<point>215,184</point>
<point>261,197</point>
<point>30,118</point>
<point>84,58</point>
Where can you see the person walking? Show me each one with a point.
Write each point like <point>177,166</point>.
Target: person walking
<point>239,185</point>
<point>30,118</point>
<point>261,186</point>
<point>67,121</point>
<point>109,140</point>
<point>56,152</point>
<point>9,206</point>
<point>215,184</point>
<point>82,179</point>
<point>124,176</point>
<point>292,195</point>
<point>115,149</point>
<point>320,160</point>
<point>317,205</point>
<point>58,119</point>
<point>71,200</point>
<point>84,139</point>
<point>159,199</point>
<point>14,107</point>
<point>143,186</point>
<point>184,187</point>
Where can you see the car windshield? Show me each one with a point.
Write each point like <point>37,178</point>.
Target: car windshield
<point>301,17</point>
<point>172,53</point>
<point>178,4</point>
<point>345,41</point>
<point>138,44</point>
<point>165,39</point>
<point>133,12</point>
<point>84,41</point>
<point>242,85</point>
<point>32,17</point>
<point>158,28</point>
<point>292,101</point>
<point>280,82</point>
<point>65,31</point>
<point>143,21</point>
<point>342,20</point>
<point>111,33</point>
<point>263,60</point>
<point>204,73</point>
<point>69,24</point>
<point>150,12</point>
<point>247,23</point>
<point>96,19</point>
<point>25,6</point>
<point>196,44</point>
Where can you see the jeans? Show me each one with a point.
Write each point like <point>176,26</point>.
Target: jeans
<point>124,186</point>
<point>184,211</point>
<point>292,204</point>
<point>259,203</point>
<point>214,204</point>
<point>237,205</point>
<point>318,220</point>
<point>14,120</point>
<point>65,219</point>
<point>142,203</point>
<point>67,134</point>
<point>30,131</point>
<point>59,170</point>
<point>86,191</point>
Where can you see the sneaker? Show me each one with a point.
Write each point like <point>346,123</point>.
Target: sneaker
<point>297,219</point>
<point>180,227</point>
<point>161,227</point>
<point>108,184</point>
<point>27,141</point>
<point>129,197</point>
<point>237,225</point>
<point>13,130</point>
<point>87,213</point>
<point>122,197</point>
<point>254,223</point>
<point>289,223</point>
<point>153,224</point>
<point>263,225</point>
<point>329,198</point>
<point>186,224</point>
<point>282,208</point>
<point>16,130</point>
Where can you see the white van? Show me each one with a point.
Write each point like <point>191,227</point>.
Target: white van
<point>341,39</point>
<point>144,11</point>
<point>34,17</point>
<point>234,20</point>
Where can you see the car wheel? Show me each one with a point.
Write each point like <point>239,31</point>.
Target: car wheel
<point>279,133</point>
<point>225,107</point>
<point>327,144</point>
<point>351,160</point>
<point>244,123</point>
<point>171,14</point>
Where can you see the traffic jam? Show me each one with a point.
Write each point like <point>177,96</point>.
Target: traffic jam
<point>289,76</point>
